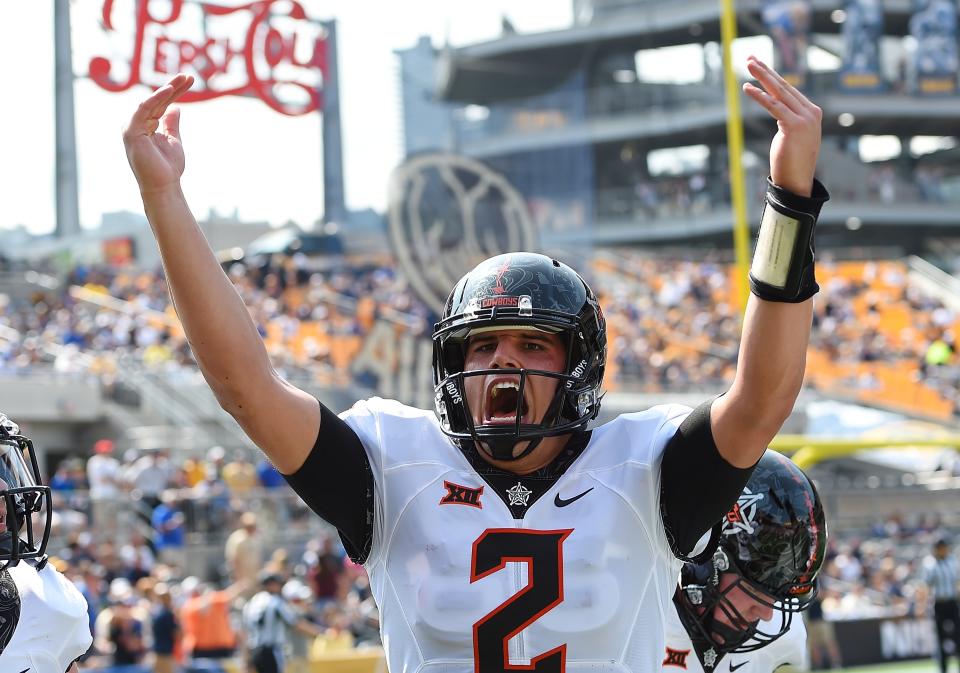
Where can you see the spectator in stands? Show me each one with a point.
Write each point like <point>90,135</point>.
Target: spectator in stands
<point>240,476</point>
<point>942,573</point>
<point>325,570</point>
<point>150,475</point>
<point>205,619</point>
<point>337,636</point>
<point>821,637</point>
<point>168,528</point>
<point>103,476</point>
<point>119,633</point>
<point>137,557</point>
<point>64,479</point>
<point>299,596</point>
<point>165,630</point>
<point>268,476</point>
<point>244,552</point>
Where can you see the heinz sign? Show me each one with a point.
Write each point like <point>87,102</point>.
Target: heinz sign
<point>269,49</point>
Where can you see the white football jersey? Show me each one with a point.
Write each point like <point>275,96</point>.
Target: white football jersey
<point>788,649</point>
<point>585,577</point>
<point>53,628</point>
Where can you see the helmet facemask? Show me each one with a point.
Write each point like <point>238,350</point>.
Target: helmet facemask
<point>712,605</point>
<point>28,510</point>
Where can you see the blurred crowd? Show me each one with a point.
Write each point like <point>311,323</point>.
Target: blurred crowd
<point>881,572</point>
<point>169,547</point>
<point>674,322</point>
<point>169,551</point>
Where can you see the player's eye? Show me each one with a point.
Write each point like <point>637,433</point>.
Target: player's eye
<point>482,347</point>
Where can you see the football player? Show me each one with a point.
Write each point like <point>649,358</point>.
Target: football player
<point>500,531</point>
<point>745,600</point>
<point>44,626</point>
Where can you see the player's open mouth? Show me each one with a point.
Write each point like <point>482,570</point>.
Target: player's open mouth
<point>500,404</point>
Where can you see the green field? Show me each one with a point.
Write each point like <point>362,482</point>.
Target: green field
<point>906,667</point>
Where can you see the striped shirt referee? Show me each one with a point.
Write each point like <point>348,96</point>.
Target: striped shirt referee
<point>942,573</point>
<point>266,618</point>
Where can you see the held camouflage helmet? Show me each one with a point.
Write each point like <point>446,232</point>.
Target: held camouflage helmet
<point>520,291</point>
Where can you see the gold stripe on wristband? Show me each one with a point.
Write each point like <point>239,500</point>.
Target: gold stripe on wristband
<point>775,245</point>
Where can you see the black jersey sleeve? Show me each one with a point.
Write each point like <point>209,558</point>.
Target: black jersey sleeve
<point>697,485</point>
<point>336,482</point>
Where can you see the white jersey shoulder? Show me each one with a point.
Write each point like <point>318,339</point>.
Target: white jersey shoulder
<point>52,628</point>
<point>461,585</point>
<point>790,649</point>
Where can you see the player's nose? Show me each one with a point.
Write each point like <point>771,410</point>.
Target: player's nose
<point>505,356</point>
<point>763,612</point>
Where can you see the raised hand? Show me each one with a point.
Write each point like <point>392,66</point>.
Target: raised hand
<point>152,138</point>
<point>796,145</point>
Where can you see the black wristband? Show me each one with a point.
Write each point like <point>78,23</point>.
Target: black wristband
<point>783,263</point>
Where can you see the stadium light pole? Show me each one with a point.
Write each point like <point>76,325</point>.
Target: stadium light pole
<point>728,33</point>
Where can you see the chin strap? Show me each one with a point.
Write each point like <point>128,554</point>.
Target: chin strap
<point>501,448</point>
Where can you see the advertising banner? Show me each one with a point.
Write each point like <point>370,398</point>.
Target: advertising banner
<point>864,642</point>
<point>268,49</point>
<point>934,27</point>
<point>862,30</point>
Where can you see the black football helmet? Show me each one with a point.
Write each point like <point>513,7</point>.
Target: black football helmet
<point>772,546</point>
<point>23,495</point>
<point>520,290</point>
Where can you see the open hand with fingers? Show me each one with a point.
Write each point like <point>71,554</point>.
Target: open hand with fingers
<point>152,138</point>
<point>796,145</point>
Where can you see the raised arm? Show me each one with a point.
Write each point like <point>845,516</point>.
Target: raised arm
<point>776,328</point>
<point>281,419</point>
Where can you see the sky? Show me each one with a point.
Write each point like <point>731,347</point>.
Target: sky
<point>241,155</point>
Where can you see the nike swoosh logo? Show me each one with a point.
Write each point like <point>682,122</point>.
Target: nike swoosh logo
<point>25,670</point>
<point>733,668</point>
<point>560,502</point>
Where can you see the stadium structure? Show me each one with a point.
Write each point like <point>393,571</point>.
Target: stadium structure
<point>603,143</point>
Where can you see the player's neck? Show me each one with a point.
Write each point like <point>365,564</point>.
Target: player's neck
<point>544,454</point>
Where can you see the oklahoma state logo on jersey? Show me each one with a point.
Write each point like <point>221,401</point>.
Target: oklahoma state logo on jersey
<point>461,495</point>
<point>676,658</point>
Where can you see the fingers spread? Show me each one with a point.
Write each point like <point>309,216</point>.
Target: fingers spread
<point>775,107</point>
<point>154,106</point>
<point>775,87</point>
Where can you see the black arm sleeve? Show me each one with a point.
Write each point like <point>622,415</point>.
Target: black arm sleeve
<point>336,482</point>
<point>697,485</point>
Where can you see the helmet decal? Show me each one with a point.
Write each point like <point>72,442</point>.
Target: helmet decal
<point>741,517</point>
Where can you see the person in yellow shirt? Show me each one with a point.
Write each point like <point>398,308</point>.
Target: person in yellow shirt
<point>240,476</point>
<point>244,553</point>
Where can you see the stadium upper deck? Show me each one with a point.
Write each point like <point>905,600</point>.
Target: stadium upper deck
<point>590,135</point>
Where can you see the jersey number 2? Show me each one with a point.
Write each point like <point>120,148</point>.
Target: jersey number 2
<point>542,551</point>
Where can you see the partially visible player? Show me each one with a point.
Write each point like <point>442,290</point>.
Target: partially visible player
<point>43,617</point>
<point>744,601</point>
